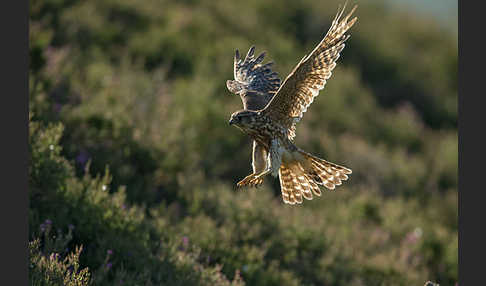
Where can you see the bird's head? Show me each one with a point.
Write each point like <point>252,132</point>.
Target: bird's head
<point>243,118</point>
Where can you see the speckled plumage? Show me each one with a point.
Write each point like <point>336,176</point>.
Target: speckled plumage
<point>271,112</point>
<point>256,84</point>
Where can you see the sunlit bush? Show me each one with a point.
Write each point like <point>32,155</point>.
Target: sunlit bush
<point>131,156</point>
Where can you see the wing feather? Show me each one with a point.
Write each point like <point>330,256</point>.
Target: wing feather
<point>303,84</point>
<point>255,82</point>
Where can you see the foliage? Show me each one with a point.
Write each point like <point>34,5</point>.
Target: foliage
<point>132,157</point>
<point>49,269</point>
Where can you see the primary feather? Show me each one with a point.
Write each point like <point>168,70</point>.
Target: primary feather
<point>254,82</point>
<point>310,75</point>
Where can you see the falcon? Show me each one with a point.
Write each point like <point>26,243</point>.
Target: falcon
<point>272,109</point>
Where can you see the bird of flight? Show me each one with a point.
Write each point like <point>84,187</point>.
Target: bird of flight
<point>271,110</point>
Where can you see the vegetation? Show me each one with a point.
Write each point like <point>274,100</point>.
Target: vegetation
<point>133,165</point>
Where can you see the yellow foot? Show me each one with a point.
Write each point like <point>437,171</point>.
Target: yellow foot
<point>251,181</point>
<point>256,182</point>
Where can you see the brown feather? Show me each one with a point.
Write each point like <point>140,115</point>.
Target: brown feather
<point>302,85</point>
<point>255,83</point>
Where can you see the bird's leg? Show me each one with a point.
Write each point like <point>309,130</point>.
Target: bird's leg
<point>261,175</point>
<point>274,162</point>
<point>259,164</point>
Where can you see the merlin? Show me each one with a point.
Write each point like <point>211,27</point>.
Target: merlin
<point>272,109</point>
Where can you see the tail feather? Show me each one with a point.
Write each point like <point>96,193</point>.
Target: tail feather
<point>305,187</point>
<point>330,174</point>
<point>300,179</point>
<point>286,184</point>
<point>305,184</point>
<point>327,175</point>
<point>291,186</point>
<point>314,186</point>
<point>298,189</point>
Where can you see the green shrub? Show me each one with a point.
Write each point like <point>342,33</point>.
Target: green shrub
<point>47,266</point>
<point>131,156</point>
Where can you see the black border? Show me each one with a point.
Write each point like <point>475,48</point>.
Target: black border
<point>14,120</point>
<point>14,25</point>
<point>472,141</point>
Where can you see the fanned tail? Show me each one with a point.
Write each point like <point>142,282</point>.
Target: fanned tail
<point>301,178</point>
<point>325,173</point>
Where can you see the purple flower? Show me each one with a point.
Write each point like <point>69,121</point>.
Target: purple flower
<point>110,252</point>
<point>48,222</point>
<point>71,227</point>
<point>185,240</point>
<point>108,265</point>
<point>42,227</point>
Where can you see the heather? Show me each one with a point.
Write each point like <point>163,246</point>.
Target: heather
<point>133,166</point>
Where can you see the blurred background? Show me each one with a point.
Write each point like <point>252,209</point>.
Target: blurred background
<point>132,158</point>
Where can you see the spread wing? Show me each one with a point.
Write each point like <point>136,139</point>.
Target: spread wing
<point>303,84</point>
<point>255,83</point>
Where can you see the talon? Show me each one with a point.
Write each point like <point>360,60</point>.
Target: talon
<point>252,180</point>
<point>256,182</point>
<point>246,181</point>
